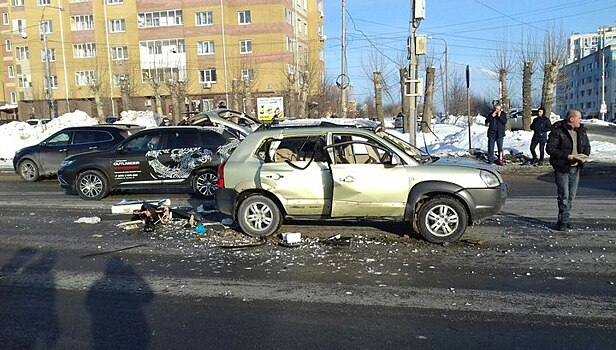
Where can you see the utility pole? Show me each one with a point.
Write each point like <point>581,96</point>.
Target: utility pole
<point>418,12</point>
<point>603,109</point>
<point>343,84</point>
<point>48,87</point>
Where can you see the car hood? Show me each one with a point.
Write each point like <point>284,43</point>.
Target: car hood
<point>468,163</point>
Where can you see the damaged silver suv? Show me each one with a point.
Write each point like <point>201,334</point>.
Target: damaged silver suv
<point>337,173</point>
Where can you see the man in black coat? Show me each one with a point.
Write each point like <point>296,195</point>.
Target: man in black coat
<point>568,140</point>
<point>540,127</point>
<point>496,122</point>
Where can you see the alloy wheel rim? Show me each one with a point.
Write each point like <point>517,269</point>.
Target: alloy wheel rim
<point>91,186</point>
<point>207,184</point>
<point>27,170</point>
<point>259,216</point>
<point>442,220</point>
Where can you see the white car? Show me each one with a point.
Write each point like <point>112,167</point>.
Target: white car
<point>38,122</point>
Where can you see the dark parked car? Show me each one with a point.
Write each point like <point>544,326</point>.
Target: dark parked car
<point>43,159</point>
<point>185,157</point>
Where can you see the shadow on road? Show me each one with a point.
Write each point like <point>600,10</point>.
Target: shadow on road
<point>115,303</point>
<point>29,318</point>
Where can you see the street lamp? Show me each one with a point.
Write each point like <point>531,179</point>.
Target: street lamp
<point>53,113</point>
<point>446,94</point>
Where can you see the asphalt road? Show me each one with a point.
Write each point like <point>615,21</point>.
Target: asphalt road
<point>512,282</point>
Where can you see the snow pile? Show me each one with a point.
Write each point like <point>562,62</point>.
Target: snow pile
<point>148,119</point>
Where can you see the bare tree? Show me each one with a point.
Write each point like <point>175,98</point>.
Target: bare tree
<point>98,87</point>
<point>374,71</point>
<point>501,64</point>
<point>176,83</point>
<point>129,82</point>
<point>554,53</point>
<point>529,55</point>
<point>426,119</point>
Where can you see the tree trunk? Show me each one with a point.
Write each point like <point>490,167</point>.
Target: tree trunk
<point>406,107</point>
<point>378,97</point>
<point>502,77</point>
<point>527,99</point>
<point>549,83</point>
<point>98,102</point>
<point>426,119</point>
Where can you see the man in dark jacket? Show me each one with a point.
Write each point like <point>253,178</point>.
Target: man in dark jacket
<point>540,127</point>
<point>567,141</point>
<point>496,122</point>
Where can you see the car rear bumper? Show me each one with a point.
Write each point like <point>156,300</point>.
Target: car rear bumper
<point>225,200</point>
<point>485,202</point>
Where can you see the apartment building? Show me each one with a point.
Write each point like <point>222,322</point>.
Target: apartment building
<point>105,56</point>
<point>582,45</point>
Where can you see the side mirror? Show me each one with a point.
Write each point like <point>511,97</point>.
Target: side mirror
<point>120,150</point>
<point>394,159</point>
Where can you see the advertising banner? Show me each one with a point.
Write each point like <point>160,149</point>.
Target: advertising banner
<point>269,108</point>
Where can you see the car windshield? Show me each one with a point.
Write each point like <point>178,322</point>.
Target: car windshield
<point>407,147</point>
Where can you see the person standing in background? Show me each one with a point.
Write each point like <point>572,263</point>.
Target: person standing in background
<point>567,141</point>
<point>540,127</point>
<point>496,122</point>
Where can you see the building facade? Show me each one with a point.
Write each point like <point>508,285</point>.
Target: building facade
<point>105,56</point>
<point>580,83</point>
<point>582,45</point>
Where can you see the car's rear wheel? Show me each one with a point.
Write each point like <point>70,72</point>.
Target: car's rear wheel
<point>92,185</point>
<point>442,219</point>
<point>28,170</point>
<point>259,216</point>
<point>205,183</point>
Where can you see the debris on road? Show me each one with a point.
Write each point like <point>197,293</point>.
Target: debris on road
<point>128,207</point>
<point>112,251</point>
<point>88,220</point>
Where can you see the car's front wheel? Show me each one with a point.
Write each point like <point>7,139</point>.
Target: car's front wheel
<point>442,219</point>
<point>259,216</point>
<point>92,185</point>
<point>205,183</point>
<point>28,170</point>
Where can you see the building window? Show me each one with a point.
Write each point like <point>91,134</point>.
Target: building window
<point>84,77</point>
<point>83,22</point>
<point>19,25</point>
<point>22,53</point>
<point>204,18</point>
<point>5,18</point>
<point>243,17</point>
<point>8,47</point>
<point>18,2</point>
<point>51,54</point>
<point>119,79</point>
<point>119,53</point>
<point>117,25</point>
<point>288,16</point>
<point>11,71</point>
<point>205,47</point>
<point>53,80</point>
<point>290,69</point>
<point>159,47</point>
<point>84,50</point>
<point>207,76</point>
<point>115,2</point>
<point>13,97</point>
<point>248,74</point>
<point>245,46</point>
<point>43,2</point>
<point>160,19</point>
<point>45,27</point>
<point>24,81</point>
<point>162,74</point>
<point>289,44</point>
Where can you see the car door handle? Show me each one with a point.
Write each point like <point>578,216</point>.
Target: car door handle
<point>62,150</point>
<point>93,147</point>
<point>274,176</point>
<point>347,179</point>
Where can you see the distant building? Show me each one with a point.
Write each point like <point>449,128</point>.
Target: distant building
<point>580,81</point>
<point>582,45</point>
<point>119,47</point>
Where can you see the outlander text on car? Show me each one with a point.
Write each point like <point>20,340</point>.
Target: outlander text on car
<point>329,172</point>
<point>185,157</point>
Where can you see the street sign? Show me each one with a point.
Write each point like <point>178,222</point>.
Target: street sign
<point>603,108</point>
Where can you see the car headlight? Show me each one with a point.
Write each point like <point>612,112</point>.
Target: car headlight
<point>489,178</point>
<point>66,163</point>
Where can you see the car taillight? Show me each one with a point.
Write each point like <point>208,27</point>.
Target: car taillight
<point>221,175</point>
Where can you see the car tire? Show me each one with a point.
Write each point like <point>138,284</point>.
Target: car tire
<point>442,219</point>
<point>92,185</point>
<point>205,183</point>
<point>28,170</point>
<point>258,216</point>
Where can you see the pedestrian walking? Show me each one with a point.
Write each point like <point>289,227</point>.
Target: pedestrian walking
<point>567,143</point>
<point>185,121</point>
<point>496,122</point>
<point>540,127</point>
<point>165,122</point>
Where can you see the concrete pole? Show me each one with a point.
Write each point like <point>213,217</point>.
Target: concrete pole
<point>343,96</point>
<point>48,86</point>
<point>602,73</point>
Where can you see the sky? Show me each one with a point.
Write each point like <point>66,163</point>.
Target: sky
<point>450,136</point>
<point>473,31</point>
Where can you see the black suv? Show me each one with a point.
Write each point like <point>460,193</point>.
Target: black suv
<point>185,157</point>
<point>43,159</point>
